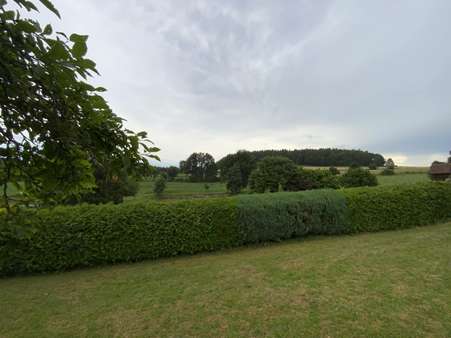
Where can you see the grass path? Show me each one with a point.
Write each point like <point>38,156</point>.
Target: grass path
<point>391,284</point>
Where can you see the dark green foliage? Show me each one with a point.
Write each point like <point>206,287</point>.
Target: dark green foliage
<point>200,167</point>
<point>390,164</point>
<point>387,172</point>
<point>397,207</point>
<point>307,179</point>
<point>334,171</point>
<point>234,179</point>
<point>358,177</point>
<point>56,129</point>
<point>273,217</point>
<point>272,173</point>
<point>69,237</point>
<point>170,172</point>
<point>242,159</point>
<point>325,157</point>
<point>159,185</point>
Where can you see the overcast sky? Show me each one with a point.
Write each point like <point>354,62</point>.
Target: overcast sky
<point>218,76</point>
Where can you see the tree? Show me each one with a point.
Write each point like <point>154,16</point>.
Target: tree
<point>272,173</point>
<point>56,129</point>
<point>234,179</point>
<point>242,160</point>
<point>201,167</point>
<point>334,170</point>
<point>171,172</point>
<point>159,185</point>
<point>358,177</point>
<point>390,164</point>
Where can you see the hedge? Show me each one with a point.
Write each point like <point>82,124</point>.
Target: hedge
<point>68,237</point>
<point>278,216</point>
<point>397,207</point>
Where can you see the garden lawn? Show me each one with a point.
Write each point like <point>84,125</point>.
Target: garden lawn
<point>389,284</point>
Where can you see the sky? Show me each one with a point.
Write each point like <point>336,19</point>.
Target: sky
<point>220,76</point>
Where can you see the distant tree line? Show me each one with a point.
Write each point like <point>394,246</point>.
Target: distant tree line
<point>325,157</point>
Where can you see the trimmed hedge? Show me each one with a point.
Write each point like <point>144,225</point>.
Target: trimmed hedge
<point>397,207</point>
<point>273,217</point>
<point>69,237</point>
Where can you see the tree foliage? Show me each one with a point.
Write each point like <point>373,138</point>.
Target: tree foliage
<point>56,129</point>
<point>234,179</point>
<point>358,177</point>
<point>243,161</point>
<point>324,157</point>
<point>390,164</point>
<point>201,167</point>
<point>272,173</point>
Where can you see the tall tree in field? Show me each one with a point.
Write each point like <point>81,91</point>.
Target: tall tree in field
<point>59,138</point>
<point>201,167</point>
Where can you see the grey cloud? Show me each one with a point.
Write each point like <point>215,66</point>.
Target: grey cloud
<point>219,76</point>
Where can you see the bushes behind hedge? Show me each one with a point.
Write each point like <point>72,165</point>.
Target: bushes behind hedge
<point>69,237</point>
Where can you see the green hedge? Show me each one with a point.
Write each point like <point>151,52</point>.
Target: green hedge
<point>397,207</point>
<point>69,237</point>
<point>265,217</point>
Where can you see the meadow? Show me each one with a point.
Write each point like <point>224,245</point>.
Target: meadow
<point>183,190</point>
<point>387,284</point>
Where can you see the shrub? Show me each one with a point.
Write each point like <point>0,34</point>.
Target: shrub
<point>284,215</point>
<point>69,237</point>
<point>390,164</point>
<point>234,179</point>
<point>159,185</point>
<point>334,171</point>
<point>272,173</point>
<point>305,179</point>
<point>387,172</point>
<point>397,207</point>
<point>358,177</point>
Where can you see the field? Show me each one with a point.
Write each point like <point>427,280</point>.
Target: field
<point>389,284</point>
<point>177,190</point>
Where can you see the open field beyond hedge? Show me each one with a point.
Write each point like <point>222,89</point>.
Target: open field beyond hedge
<point>181,190</point>
<point>389,284</point>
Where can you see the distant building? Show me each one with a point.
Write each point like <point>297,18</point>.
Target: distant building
<point>440,171</point>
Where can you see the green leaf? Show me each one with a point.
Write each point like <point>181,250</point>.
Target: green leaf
<point>8,15</point>
<point>26,26</point>
<point>78,38</point>
<point>79,49</point>
<point>48,30</point>
<point>100,89</point>
<point>50,7</point>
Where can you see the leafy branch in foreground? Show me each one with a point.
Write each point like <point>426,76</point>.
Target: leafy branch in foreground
<point>56,130</point>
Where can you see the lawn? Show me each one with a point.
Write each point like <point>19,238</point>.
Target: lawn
<point>389,284</point>
<point>402,179</point>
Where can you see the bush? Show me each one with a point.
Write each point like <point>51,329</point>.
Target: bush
<point>272,173</point>
<point>68,237</point>
<point>397,207</point>
<point>234,179</point>
<point>358,177</point>
<point>159,185</point>
<point>387,172</point>
<point>273,217</point>
<point>334,171</point>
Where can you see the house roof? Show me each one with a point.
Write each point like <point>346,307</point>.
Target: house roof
<point>440,168</point>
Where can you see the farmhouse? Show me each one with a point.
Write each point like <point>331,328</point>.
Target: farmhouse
<point>440,171</point>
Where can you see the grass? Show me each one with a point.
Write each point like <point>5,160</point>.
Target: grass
<point>389,284</point>
<point>178,190</point>
<point>402,179</point>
